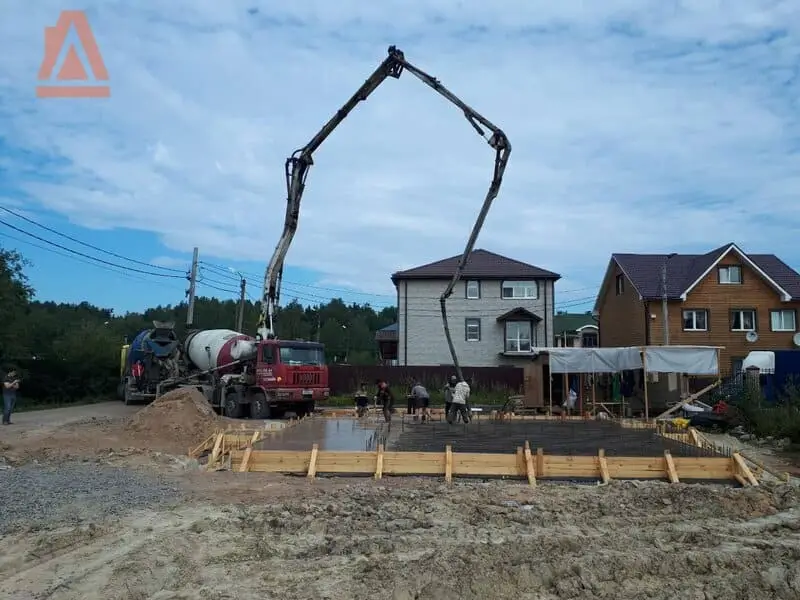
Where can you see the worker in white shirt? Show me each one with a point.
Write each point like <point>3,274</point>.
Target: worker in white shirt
<point>459,403</point>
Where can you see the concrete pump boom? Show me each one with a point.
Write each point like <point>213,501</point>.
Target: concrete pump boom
<point>298,164</point>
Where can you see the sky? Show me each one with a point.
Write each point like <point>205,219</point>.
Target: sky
<point>635,125</point>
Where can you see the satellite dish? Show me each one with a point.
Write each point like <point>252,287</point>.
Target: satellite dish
<point>796,339</point>
<point>751,336</point>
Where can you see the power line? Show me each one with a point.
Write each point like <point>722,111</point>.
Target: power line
<point>82,243</point>
<point>124,273</point>
<point>100,260</point>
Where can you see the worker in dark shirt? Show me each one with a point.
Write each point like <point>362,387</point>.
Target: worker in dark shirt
<point>10,387</point>
<point>386,398</point>
<point>362,401</point>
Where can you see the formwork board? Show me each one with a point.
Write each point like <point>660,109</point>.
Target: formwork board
<point>522,464</point>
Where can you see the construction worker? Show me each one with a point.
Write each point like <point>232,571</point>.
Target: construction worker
<point>422,400</point>
<point>386,398</point>
<point>448,394</point>
<point>362,400</point>
<point>459,403</point>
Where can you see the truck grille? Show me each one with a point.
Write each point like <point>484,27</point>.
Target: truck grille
<point>305,378</point>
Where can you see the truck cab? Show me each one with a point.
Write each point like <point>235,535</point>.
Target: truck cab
<point>292,375</point>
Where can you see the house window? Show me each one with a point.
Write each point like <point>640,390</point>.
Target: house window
<point>473,290</point>
<point>520,290</point>
<point>472,330</point>
<point>518,336</point>
<point>695,320</point>
<point>783,320</point>
<point>589,340</point>
<point>730,274</point>
<point>743,320</point>
<point>620,285</point>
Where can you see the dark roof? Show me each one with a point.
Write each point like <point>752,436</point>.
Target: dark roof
<point>387,333</point>
<point>519,313</point>
<point>644,271</point>
<point>570,322</point>
<point>481,264</point>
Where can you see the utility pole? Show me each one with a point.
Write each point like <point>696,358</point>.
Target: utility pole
<point>192,277</point>
<point>240,318</point>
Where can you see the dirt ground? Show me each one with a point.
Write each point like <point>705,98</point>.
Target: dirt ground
<point>105,508</point>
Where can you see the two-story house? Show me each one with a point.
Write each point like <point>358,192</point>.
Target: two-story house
<point>713,299</point>
<point>500,311</point>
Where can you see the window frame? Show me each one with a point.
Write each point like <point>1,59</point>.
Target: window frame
<point>471,321</point>
<point>619,282</point>
<point>781,311</point>
<point>694,311</point>
<point>263,354</point>
<point>506,338</point>
<point>466,289</point>
<point>593,335</point>
<point>726,269</point>
<point>733,311</point>
<point>521,283</point>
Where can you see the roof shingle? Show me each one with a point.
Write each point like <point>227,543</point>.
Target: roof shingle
<point>644,271</point>
<point>481,264</point>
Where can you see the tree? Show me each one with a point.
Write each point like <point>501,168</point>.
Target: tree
<point>15,294</point>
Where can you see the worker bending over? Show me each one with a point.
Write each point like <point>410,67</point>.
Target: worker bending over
<point>459,403</point>
<point>386,398</point>
<point>422,400</point>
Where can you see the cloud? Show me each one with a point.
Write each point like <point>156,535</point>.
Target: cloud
<point>635,126</point>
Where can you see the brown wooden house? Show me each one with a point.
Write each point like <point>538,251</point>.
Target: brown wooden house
<point>713,299</point>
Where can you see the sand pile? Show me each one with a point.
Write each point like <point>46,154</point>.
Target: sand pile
<point>182,417</point>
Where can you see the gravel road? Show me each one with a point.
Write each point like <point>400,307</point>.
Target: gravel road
<point>34,420</point>
<point>37,497</point>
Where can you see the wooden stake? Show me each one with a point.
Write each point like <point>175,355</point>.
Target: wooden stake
<point>529,468</point>
<point>672,473</point>
<point>312,464</point>
<point>743,470</point>
<point>215,453</point>
<point>246,460</point>
<point>550,384</point>
<point>379,463</point>
<point>448,463</point>
<point>601,460</point>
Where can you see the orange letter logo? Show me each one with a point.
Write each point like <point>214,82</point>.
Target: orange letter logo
<point>55,42</point>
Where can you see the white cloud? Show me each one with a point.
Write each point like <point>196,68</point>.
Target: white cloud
<point>635,126</point>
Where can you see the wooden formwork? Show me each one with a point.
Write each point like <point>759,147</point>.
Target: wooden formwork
<point>524,464</point>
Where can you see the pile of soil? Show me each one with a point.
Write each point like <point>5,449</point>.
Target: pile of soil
<point>182,417</point>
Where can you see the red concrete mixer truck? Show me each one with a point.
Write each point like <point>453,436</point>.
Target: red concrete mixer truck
<point>237,372</point>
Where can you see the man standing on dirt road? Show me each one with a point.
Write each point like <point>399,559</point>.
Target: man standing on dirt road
<point>386,398</point>
<point>10,387</point>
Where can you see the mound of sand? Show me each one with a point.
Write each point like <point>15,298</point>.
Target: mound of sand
<point>181,416</point>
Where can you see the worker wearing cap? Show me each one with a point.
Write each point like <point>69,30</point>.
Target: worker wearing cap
<point>459,403</point>
<point>10,387</point>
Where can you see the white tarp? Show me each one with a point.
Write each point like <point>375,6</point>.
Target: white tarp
<point>594,360</point>
<point>692,360</point>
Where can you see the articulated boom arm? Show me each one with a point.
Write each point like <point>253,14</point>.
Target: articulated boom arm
<point>298,164</point>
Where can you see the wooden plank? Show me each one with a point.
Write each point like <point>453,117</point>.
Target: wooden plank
<point>246,460</point>
<point>605,477</point>
<point>742,469</point>
<point>488,465</point>
<point>353,463</point>
<point>312,463</point>
<point>540,461</point>
<point>379,462</point>
<point>215,453</point>
<point>448,464</point>
<point>529,468</point>
<point>202,447</point>
<point>415,463</point>
<point>689,400</point>
<point>578,467</point>
<point>274,461</point>
<point>520,460</point>
<point>694,438</point>
<point>672,473</point>
<point>710,468</point>
<point>742,481</point>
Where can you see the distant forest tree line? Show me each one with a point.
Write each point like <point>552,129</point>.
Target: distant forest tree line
<point>68,352</point>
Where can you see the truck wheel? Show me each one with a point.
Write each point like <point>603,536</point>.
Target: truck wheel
<point>259,409</point>
<point>127,395</point>
<point>232,407</point>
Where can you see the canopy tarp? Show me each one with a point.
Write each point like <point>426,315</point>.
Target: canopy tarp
<point>594,360</point>
<point>692,360</point>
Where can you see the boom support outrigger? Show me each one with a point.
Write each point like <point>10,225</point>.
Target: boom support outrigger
<point>298,164</point>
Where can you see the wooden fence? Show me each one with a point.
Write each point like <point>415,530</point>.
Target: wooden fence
<point>344,379</point>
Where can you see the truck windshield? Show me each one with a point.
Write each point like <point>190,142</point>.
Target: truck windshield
<point>302,355</point>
